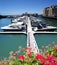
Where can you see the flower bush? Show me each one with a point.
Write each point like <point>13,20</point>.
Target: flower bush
<point>48,57</point>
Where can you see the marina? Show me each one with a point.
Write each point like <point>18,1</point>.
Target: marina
<point>30,34</point>
<point>27,26</point>
<point>20,24</point>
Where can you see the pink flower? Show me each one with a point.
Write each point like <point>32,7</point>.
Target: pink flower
<point>14,54</point>
<point>41,58</point>
<point>51,58</point>
<point>21,57</point>
<point>28,49</point>
<point>46,63</point>
<point>29,53</point>
<point>55,48</point>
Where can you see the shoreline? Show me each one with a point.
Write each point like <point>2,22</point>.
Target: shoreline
<point>49,17</point>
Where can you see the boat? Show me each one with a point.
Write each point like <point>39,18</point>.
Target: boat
<point>44,27</point>
<point>19,19</point>
<point>38,25</point>
<point>19,26</point>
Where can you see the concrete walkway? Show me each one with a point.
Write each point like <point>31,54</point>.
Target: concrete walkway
<point>31,42</point>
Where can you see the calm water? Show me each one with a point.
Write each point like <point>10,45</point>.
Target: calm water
<point>10,42</point>
<point>45,39</point>
<point>4,22</point>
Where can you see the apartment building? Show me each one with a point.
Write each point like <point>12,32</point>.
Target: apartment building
<point>50,11</point>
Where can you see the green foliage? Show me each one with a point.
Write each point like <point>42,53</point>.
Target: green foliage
<point>15,62</point>
<point>52,51</point>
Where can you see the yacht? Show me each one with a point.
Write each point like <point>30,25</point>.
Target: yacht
<point>19,19</point>
<point>43,27</point>
<point>19,26</point>
<point>39,25</point>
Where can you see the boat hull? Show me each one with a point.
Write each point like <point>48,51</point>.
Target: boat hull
<point>47,30</point>
<point>13,30</point>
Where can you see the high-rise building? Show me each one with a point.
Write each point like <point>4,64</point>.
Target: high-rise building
<point>50,11</point>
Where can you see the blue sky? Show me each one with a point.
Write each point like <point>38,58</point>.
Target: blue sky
<point>21,6</point>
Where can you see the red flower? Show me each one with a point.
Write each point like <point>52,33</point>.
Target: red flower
<point>51,58</point>
<point>21,57</point>
<point>29,54</point>
<point>52,63</point>
<point>41,58</point>
<point>55,48</point>
<point>28,49</point>
<point>47,53</point>
<point>55,63</point>
<point>14,54</point>
<point>46,63</point>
